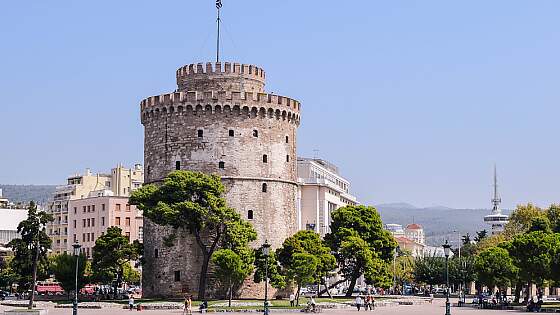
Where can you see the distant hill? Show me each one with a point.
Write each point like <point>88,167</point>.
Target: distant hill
<point>25,193</point>
<point>439,222</point>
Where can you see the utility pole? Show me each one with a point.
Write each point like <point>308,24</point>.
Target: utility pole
<point>218,7</point>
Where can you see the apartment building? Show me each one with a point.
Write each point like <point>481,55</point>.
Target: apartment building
<point>321,190</point>
<point>90,218</point>
<point>120,182</point>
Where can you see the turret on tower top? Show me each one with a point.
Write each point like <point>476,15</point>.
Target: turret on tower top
<point>220,76</point>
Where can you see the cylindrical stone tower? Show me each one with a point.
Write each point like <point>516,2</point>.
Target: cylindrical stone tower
<point>220,121</point>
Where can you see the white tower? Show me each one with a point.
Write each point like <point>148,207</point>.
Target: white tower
<point>496,219</point>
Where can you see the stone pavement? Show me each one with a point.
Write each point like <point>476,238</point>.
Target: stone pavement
<point>437,308</point>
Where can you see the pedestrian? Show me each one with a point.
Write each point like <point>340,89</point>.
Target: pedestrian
<point>372,302</point>
<point>188,305</point>
<point>292,300</point>
<point>130,302</point>
<point>358,302</point>
<point>368,302</point>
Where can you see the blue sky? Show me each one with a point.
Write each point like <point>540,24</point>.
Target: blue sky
<point>413,100</point>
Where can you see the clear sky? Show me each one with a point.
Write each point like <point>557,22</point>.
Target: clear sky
<point>413,100</point>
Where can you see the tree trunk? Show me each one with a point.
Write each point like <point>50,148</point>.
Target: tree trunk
<point>328,291</point>
<point>350,289</point>
<point>333,285</point>
<point>518,287</point>
<point>34,279</point>
<point>297,294</point>
<point>203,276</point>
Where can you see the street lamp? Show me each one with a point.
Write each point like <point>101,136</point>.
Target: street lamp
<point>76,247</point>
<point>266,253</point>
<point>446,251</point>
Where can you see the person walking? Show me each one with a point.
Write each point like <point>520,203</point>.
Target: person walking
<point>359,302</point>
<point>188,305</point>
<point>292,300</point>
<point>130,302</point>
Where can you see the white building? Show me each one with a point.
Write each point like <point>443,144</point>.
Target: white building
<point>496,219</point>
<point>321,191</point>
<point>415,232</point>
<point>395,229</point>
<point>10,220</point>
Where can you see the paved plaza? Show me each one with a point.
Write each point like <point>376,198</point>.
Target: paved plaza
<point>438,307</point>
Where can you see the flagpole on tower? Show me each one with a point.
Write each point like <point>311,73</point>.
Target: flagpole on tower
<point>218,7</point>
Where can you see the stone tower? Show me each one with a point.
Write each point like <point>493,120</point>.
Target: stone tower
<point>220,121</point>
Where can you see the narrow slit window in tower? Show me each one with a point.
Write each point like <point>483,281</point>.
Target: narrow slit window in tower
<point>177,165</point>
<point>250,215</point>
<point>222,164</point>
<point>265,158</point>
<point>177,275</point>
<point>231,133</point>
<point>156,253</point>
<point>255,133</point>
<point>287,158</point>
<point>286,139</point>
<point>264,187</point>
<point>200,133</point>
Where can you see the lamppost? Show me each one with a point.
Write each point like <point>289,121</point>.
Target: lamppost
<point>446,251</point>
<point>76,247</point>
<point>266,253</point>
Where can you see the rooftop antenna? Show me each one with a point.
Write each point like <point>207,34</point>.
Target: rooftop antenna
<point>496,200</point>
<point>218,7</point>
<point>315,154</point>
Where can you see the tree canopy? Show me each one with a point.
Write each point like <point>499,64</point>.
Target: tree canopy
<point>193,202</point>
<point>64,269</point>
<point>494,267</point>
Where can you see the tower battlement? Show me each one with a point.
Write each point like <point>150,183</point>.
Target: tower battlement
<point>220,76</point>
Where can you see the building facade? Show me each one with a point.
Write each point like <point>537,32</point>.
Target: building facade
<point>120,182</point>
<point>220,121</point>
<point>322,190</point>
<point>90,218</point>
<point>415,232</point>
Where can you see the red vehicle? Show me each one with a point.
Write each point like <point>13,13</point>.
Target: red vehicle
<point>49,288</point>
<point>88,289</point>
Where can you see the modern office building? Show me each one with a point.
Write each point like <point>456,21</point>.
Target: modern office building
<point>321,191</point>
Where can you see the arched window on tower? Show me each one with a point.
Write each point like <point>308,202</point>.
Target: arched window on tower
<point>177,165</point>
<point>222,164</point>
<point>264,187</point>
<point>250,215</point>
<point>265,158</point>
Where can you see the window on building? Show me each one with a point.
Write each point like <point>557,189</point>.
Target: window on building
<point>83,237</point>
<point>88,222</point>
<point>287,158</point>
<point>118,207</point>
<point>127,207</point>
<point>92,208</point>
<point>88,208</point>
<point>156,253</point>
<point>177,165</point>
<point>102,221</point>
<point>75,210</point>
<point>117,221</point>
<point>127,221</point>
<point>264,187</point>
<point>102,207</point>
<point>250,215</point>
<point>85,209</point>
<point>231,133</point>
<point>286,139</point>
<point>177,275</point>
<point>92,221</point>
<point>222,164</point>
<point>93,237</point>
<point>265,158</point>
<point>75,238</point>
<point>255,133</point>
<point>84,221</point>
<point>200,133</point>
<point>74,223</point>
<point>127,234</point>
<point>148,170</point>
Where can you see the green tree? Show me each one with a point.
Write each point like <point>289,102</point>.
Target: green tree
<point>553,215</point>
<point>494,268</point>
<point>466,239</point>
<point>229,269</point>
<point>277,280</point>
<point>429,270</point>
<point>533,254</point>
<point>302,270</point>
<point>131,275</point>
<point>7,274</point>
<point>480,235</point>
<point>31,249</point>
<point>112,251</point>
<point>360,228</point>
<point>540,224</point>
<point>307,242</point>
<point>193,202</point>
<point>404,268</point>
<point>63,267</point>
<point>521,219</point>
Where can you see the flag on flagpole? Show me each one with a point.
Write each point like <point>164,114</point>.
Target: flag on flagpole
<point>218,4</point>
